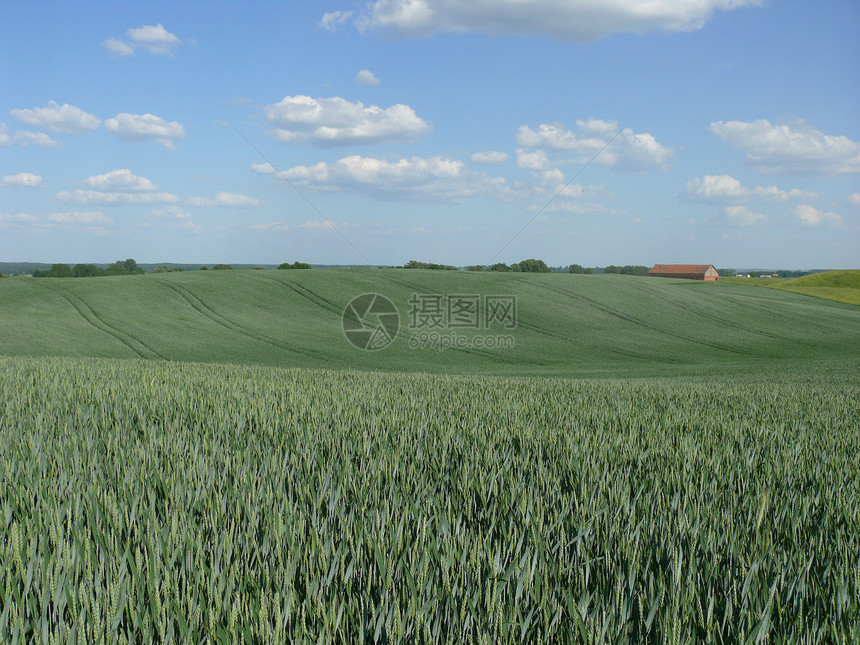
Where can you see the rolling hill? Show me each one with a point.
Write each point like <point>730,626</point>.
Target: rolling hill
<point>839,286</point>
<point>565,324</point>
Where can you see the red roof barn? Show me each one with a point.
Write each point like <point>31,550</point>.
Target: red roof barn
<point>688,271</point>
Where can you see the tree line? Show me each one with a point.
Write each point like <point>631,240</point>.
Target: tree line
<point>533,265</point>
<point>129,267</point>
<point>525,266</point>
<point>120,267</point>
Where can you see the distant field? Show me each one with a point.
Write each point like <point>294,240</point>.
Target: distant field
<point>565,325</point>
<point>840,286</point>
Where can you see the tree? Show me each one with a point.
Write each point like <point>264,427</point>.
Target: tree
<point>204,268</point>
<point>59,271</point>
<point>87,271</point>
<point>475,267</point>
<point>588,271</point>
<point>575,268</point>
<point>499,266</point>
<point>634,269</point>
<point>294,265</point>
<point>124,267</point>
<point>222,267</point>
<point>532,266</point>
<point>414,264</point>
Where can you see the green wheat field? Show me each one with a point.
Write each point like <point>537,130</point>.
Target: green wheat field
<point>203,457</point>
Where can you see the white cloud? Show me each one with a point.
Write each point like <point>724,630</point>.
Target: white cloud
<point>272,227</point>
<point>625,150</point>
<point>854,199</point>
<point>536,160</point>
<point>318,226</point>
<point>142,127</point>
<point>153,38</point>
<point>92,217</point>
<point>39,139</point>
<point>175,216</point>
<point>118,48</point>
<point>65,118</point>
<point>98,197</point>
<point>490,157</point>
<point>742,216</point>
<point>234,199</point>
<point>18,217</point>
<point>313,225</point>
<point>573,20</point>
<point>811,216</point>
<point>437,177</point>
<point>24,138</point>
<point>263,168</point>
<point>365,77</point>
<point>790,148</point>
<point>200,201</point>
<point>551,177</point>
<point>156,40</point>
<point>122,179</point>
<point>333,20</point>
<point>724,188</point>
<point>554,196</point>
<point>225,199</point>
<point>575,208</point>
<point>172,211</point>
<point>336,121</point>
<point>716,187</point>
<point>22,179</point>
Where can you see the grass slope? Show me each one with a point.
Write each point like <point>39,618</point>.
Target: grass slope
<point>566,325</point>
<point>840,286</point>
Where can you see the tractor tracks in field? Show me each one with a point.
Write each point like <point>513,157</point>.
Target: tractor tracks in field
<point>89,314</point>
<point>626,353</point>
<point>722,320</point>
<point>196,303</point>
<point>633,319</point>
<point>316,299</point>
<point>519,323</point>
<point>309,295</point>
<point>542,331</point>
<point>320,301</point>
<point>753,305</point>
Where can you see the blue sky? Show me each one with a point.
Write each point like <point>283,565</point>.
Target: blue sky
<point>464,132</point>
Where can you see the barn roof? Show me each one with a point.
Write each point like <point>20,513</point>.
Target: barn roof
<point>688,269</point>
